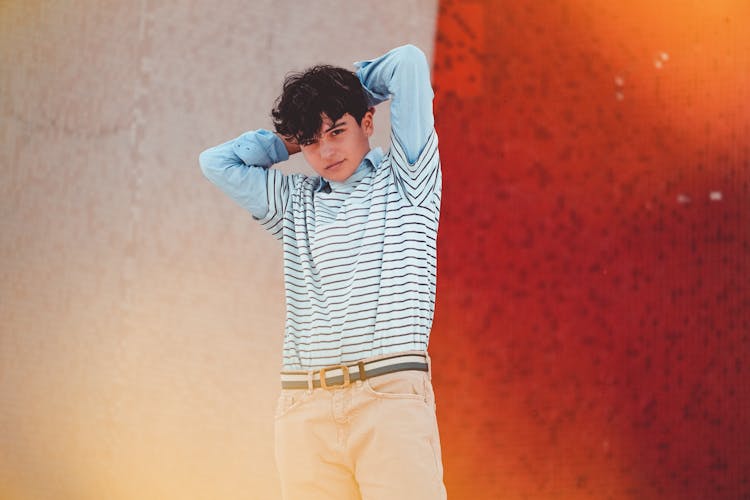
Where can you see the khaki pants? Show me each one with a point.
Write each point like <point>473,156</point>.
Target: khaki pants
<point>372,440</point>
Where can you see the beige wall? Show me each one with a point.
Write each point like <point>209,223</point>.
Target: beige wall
<point>141,312</point>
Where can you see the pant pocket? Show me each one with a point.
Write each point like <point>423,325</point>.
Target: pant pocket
<point>289,400</point>
<point>398,385</point>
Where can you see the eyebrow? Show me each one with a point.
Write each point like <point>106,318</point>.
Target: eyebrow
<point>335,125</point>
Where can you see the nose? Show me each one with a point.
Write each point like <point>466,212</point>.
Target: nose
<point>326,149</point>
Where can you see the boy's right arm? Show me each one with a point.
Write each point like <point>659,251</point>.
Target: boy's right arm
<point>239,167</point>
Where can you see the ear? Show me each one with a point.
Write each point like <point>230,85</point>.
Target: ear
<point>368,123</point>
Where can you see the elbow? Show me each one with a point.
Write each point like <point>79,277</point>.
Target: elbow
<point>205,161</point>
<point>412,53</point>
<point>411,59</point>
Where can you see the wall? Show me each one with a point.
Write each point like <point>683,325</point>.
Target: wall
<point>593,306</point>
<point>141,312</point>
<point>591,332</point>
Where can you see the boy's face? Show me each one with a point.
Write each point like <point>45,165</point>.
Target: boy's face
<point>339,147</point>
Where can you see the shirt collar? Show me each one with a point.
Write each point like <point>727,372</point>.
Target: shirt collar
<point>371,161</point>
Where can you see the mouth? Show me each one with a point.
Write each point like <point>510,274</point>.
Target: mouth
<point>334,165</point>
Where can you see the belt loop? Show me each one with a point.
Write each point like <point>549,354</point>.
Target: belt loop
<point>310,385</point>
<point>429,365</point>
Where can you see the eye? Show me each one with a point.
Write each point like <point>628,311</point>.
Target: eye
<point>337,131</point>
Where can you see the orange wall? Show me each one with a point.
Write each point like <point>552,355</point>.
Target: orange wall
<point>591,335</point>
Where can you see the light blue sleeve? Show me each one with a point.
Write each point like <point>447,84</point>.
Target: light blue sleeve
<point>403,75</point>
<point>238,167</point>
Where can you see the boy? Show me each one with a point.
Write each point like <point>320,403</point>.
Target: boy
<point>356,415</point>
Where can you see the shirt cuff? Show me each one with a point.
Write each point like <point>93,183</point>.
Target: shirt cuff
<point>260,148</point>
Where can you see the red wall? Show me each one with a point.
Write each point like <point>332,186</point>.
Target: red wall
<point>592,330</point>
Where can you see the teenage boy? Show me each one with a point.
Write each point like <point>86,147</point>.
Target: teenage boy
<point>356,415</point>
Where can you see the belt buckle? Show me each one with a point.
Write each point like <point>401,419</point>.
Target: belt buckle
<point>344,369</point>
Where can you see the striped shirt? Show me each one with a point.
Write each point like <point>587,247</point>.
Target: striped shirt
<point>360,258</point>
<point>360,261</point>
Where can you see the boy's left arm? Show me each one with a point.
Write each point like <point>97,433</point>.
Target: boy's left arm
<point>403,75</point>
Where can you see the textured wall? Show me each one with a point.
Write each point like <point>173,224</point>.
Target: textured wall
<point>141,312</point>
<point>593,318</point>
<point>591,334</point>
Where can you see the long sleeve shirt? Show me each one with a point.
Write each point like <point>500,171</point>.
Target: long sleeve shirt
<point>359,258</point>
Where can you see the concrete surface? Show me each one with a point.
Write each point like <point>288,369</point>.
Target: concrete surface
<point>141,311</point>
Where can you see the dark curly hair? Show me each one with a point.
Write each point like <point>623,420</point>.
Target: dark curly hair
<point>322,89</point>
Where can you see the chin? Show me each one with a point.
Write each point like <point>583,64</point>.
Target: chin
<point>340,176</point>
